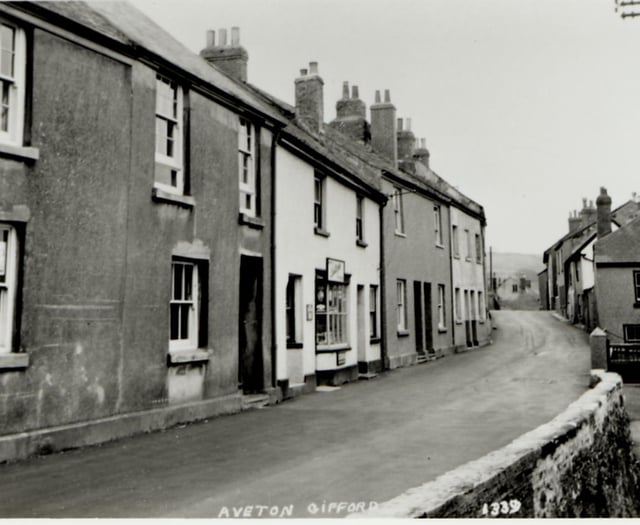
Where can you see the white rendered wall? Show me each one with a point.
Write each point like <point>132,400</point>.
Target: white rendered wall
<point>300,251</point>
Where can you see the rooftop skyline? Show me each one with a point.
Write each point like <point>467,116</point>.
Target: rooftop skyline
<point>526,107</point>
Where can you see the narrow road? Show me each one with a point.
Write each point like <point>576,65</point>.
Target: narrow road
<point>367,441</point>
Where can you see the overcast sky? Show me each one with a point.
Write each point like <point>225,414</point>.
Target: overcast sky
<point>527,106</point>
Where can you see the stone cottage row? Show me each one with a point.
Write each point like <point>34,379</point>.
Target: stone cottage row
<point>592,275</point>
<point>173,238</point>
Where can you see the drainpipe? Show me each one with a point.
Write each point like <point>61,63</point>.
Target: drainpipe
<point>274,342</point>
<point>383,293</point>
<point>452,321</point>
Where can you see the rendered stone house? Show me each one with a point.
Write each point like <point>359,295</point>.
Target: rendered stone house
<point>135,232</point>
<point>419,275</point>
<point>617,276</point>
<point>569,263</point>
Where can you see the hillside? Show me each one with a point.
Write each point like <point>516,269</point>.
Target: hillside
<point>516,264</point>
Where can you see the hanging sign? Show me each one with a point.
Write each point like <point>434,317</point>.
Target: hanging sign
<point>335,270</point>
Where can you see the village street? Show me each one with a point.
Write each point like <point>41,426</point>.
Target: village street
<point>364,442</point>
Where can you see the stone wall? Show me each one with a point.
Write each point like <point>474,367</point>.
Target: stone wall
<point>578,465</point>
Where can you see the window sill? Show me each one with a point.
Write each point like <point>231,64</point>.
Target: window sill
<point>160,195</point>
<point>374,341</point>
<point>332,348</point>
<point>24,153</point>
<point>400,234</point>
<point>441,246</point>
<point>403,333</point>
<point>180,357</point>
<point>442,330</point>
<point>321,232</point>
<point>459,322</point>
<point>251,222</point>
<point>294,346</point>
<point>361,243</point>
<point>14,360</point>
<point>456,257</point>
<point>468,259</point>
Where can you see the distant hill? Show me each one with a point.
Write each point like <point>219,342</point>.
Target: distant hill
<point>517,264</point>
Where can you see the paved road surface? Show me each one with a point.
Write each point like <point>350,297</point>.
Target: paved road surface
<point>367,441</point>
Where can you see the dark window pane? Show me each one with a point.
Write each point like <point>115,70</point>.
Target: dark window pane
<point>184,321</point>
<point>175,321</point>
<point>177,282</point>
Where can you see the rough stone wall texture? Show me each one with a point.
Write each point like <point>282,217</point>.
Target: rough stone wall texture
<point>578,465</point>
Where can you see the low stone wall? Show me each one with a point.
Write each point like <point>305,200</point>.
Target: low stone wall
<point>578,465</point>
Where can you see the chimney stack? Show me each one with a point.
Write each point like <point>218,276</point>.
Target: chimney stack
<point>232,59</point>
<point>574,221</point>
<point>406,140</point>
<point>421,153</point>
<point>383,127</point>
<point>351,115</point>
<point>588,213</point>
<point>603,203</point>
<point>309,98</point>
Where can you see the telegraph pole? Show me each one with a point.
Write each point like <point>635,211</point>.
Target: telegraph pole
<point>627,8</point>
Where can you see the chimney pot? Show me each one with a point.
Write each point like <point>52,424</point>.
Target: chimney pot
<point>345,90</point>
<point>377,96</point>
<point>313,68</point>
<point>223,37</point>
<point>387,96</point>
<point>235,36</point>
<point>303,72</point>
<point>211,38</point>
<point>408,124</point>
<point>354,92</point>
<point>399,124</point>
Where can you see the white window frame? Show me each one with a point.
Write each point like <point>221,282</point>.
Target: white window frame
<point>401,302</point>
<point>467,238</point>
<point>15,85</point>
<point>437,214</point>
<point>360,218</point>
<point>8,285</point>
<point>335,310</point>
<point>293,309</point>
<point>373,312</point>
<point>458,305</point>
<point>636,285</point>
<point>398,211</point>
<point>442,318</point>
<point>247,177</point>
<point>175,161</point>
<point>318,201</point>
<point>192,304</point>
<point>455,240</point>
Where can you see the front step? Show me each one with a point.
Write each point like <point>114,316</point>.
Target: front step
<point>251,401</point>
<point>368,375</point>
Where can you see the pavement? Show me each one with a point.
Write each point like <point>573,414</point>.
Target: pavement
<point>361,443</point>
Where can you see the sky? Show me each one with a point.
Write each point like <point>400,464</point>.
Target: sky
<point>526,106</point>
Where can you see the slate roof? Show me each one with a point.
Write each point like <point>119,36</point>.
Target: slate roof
<point>337,143</point>
<point>620,216</point>
<point>620,246</point>
<point>138,35</point>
